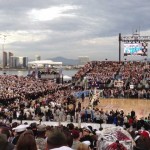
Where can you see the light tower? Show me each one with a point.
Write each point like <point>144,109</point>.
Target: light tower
<point>4,38</point>
<point>4,54</point>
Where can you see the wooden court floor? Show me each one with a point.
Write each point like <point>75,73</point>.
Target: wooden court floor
<point>140,106</point>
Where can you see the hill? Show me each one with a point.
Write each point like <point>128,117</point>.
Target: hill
<point>65,61</point>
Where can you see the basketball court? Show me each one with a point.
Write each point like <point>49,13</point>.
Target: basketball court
<point>140,106</point>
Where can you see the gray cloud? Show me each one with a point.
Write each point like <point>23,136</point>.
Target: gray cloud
<point>90,29</point>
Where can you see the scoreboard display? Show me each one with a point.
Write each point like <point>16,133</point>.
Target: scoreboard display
<point>135,49</point>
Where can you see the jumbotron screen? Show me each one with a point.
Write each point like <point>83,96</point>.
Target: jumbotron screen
<point>135,49</point>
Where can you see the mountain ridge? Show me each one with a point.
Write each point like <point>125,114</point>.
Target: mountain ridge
<point>64,60</point>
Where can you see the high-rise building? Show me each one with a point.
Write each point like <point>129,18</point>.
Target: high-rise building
<point>37,57</point>
<point>13,61</point>
<point>4,59</point>
<point>25,62</point>
<point>83,60</point>
<point>10,62</point>
<point>19,62</point>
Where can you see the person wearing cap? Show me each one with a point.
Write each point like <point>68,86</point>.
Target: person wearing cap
<point>41,138</point>
<point>18,131</point>
<point>76,143</point>
<point>87,137</point>
<point>76,137</point>
<point>33,127</point>
<point>142,140</point>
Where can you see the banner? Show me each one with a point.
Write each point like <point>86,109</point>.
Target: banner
<point>118,83</point>
<point>78,94</point>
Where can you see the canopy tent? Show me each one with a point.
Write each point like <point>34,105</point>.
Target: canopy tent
<point>44,62</point>
<point>66,78</point>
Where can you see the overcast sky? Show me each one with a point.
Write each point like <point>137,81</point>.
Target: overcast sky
<point>70,28</point>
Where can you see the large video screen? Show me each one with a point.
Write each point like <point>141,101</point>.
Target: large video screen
<point>135,49</point>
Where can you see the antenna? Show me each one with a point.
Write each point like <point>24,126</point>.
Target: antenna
<point>4,39</point>
<point>4,58</point>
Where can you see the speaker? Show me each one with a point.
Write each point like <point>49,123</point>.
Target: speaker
<point>58,80</point>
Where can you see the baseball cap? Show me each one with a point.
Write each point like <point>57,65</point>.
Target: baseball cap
<point>41,127</point>
<point>87,128</point>
<point>144,134</point>
<point>20,128</point>
<point>75,134</point>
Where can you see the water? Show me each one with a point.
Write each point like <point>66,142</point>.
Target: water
<point>69,72</point>
<point>25,72</point>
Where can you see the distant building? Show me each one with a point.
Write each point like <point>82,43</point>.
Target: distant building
<point>10,55</point>
<point>25,62</point>
<point>13,60</point>
<point>37,57</point>
<point>83,60</point>
<point>4,59</point>
<point>19,62</point>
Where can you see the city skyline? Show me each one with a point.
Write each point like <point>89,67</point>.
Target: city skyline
<point>69,29</point>
<point>9,60</point>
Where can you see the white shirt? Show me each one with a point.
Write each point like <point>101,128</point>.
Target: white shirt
<point>62,148</point>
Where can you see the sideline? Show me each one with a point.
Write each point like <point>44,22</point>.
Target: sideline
<point>52,123</point>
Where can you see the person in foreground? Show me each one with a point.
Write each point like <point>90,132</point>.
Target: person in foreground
<point>57,141</point>
<point>26,141</point>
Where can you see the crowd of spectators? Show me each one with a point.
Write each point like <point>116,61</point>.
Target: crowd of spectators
<point>38,136</point>
<point>60,106</point>
<point>135,78</point>
<point>29,98</point>
<point>14,87</point>
<point>41,137</point>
